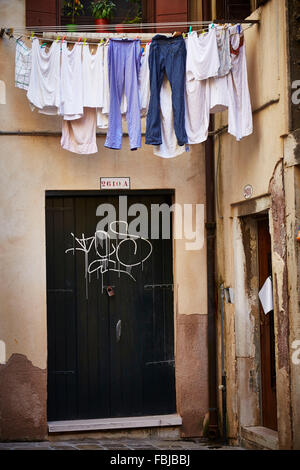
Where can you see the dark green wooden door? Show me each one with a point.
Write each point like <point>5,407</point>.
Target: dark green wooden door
<point>108,356</point>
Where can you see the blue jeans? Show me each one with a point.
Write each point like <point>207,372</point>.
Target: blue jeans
<point>166,55</point>
<point>123,68</point>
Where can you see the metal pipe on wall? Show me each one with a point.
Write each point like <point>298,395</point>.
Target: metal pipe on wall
<point>223,386</point>
<point>213,428</point>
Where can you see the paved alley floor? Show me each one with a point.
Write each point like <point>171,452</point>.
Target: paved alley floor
<point>118,444</point>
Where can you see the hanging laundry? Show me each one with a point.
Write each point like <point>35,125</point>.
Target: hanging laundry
<point>93,77</point>
<point>197,103</point>
<point>218,85</point>
<point>167,55</point>
<point>240,122</point>
<point>197,92</point>
<point>44,84</point>
<point>79,135</point>
<point>205,74</point>
<point>71,82</point>
<point>22,65</point>
<point>223,44</point>
<point>123,67</point>
<point>144,83</point>
<point>169,147</point>
<point>102,113</point>
<point>202,59</point>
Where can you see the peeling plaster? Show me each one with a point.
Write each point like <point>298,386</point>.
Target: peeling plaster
<point>279,268</point>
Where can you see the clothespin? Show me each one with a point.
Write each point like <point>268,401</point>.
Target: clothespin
<point>102,40</point>
<point>10,32</point>
<point>63,38</point>
<point>57,39</point>
<point>79,40</point>
<point>32,34</point>
<point>212,25</point>
<point>84,41</point>
<point>44,44</point>
<point>239,28</point>
<point>183,35</point>
<point>142,50</point>
<point>190,30</point>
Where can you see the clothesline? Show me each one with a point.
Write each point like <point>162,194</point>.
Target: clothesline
<point>138,26</point>
<point>50,36</point>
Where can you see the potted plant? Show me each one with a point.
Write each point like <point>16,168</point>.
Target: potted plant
<point>72,8</point>
<point>102,11</point>
<point>134,16</point>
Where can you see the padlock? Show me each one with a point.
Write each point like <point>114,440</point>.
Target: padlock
<point>110,291</point>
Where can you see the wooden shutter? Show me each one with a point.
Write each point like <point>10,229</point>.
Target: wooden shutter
<point>42,12</point>
<point>167,11</point>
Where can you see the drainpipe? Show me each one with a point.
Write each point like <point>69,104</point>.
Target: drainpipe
<point>213,430</point>
<point>223,386</point>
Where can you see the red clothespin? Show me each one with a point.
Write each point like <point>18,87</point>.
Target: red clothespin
<point>63,38</point>
<point>79,40</point>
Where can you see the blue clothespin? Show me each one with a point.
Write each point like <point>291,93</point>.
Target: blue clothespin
<point>142,50</point>
<point>239,29</point>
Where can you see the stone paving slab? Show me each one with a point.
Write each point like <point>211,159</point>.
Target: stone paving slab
<point>117,445</point>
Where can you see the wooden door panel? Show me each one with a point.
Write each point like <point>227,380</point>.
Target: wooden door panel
<point>267,339</point>
<point>91,372</point>
<point>61,317</point>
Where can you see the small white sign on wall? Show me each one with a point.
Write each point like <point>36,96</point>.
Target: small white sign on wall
<point>115,183</point>
<point>266,295</point>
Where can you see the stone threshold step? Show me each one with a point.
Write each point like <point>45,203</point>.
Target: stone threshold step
<point>263,437</point>
<point>114,423</point>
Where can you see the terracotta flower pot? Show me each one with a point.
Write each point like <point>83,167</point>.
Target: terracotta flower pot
<point>101,22</point>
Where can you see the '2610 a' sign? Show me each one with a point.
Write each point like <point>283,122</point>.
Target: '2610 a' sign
<point>115,183</point>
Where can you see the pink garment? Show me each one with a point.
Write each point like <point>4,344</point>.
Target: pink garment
<point>79,135</point>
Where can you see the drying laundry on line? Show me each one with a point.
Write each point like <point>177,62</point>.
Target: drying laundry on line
<point>176,83</point>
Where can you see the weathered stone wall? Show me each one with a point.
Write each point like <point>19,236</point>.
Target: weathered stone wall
<point>257,161</point>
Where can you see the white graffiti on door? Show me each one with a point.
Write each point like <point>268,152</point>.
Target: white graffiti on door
<point>109,252</point>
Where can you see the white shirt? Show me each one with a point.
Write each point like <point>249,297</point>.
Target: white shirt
<point>202,60</point>
<point>240,122</point>
<point>93,77</point>
<point>71,82</point>
<point>44,85</point>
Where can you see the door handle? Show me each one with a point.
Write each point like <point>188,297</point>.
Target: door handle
<point>118,331</point>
